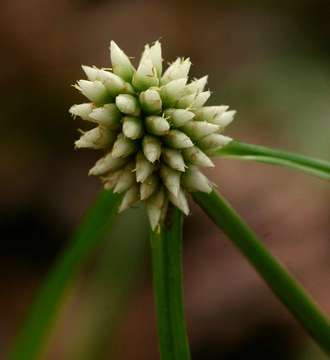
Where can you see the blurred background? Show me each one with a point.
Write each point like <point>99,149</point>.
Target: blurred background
<point>270,61</point>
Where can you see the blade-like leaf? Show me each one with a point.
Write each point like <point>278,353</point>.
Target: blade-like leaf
<point>31,341</point>
<point>279,280</point>
<point>243,151</point>
<point>166,251</point>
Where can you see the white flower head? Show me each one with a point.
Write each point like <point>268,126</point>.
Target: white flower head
<point>153,127</point>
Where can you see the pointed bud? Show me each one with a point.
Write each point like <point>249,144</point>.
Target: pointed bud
<point>177,139</point>
<point>132,127</point>
<point>209,113</point>
<point>146,74</point>
<point>126,179</point>
<point>155,206</point>
<point>198,129</point>
<point>121,64</point>
<point>157,125</point>
<point>96,138</point>
<point>149,186</point>
<point>171,179</point>
<point>107,163</point>
<point>143,167</point>
<point>195,156</point>
<point>151,148</point>
<point>179,117</point>
<point>156,57</point>
<point>95,91</point>
<point>186,101</point>
<point>111,179</point>
<point>131,197</point>
<point>115,84</point>
<point>224,119</point>
<point>151,101</point>
<point>174,159</point>
<point>177,70</point>
<point>82,110</point>
<point>196,86</point>
<point>123,147</point>
<point>214,141</point>
<point>201,99</point>
<point>107,115</point>
<point>172,91</point>
<point>128,104</point>
<point>180,201</point>
<point>194,180</point>
<point>91,72</point>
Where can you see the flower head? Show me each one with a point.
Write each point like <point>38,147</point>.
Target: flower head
<point>153,127</point>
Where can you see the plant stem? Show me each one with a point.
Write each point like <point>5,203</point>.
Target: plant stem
<point>283,285</point>
<point>31,341</point>
<point>243,151</point>
<point>166,251</point>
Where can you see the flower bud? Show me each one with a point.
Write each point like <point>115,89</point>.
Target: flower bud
<point>121,64</point>
<point>128,104</point>
<point>91,72</point>
<point>96,138</point>
<point>213,141</point>
<point>196,86</point>
<point>151,148</point>
<point>108,115</point>
<point>177,70</point>
<point>195,156</point>
<point>174,159</point>
<point>123,147</point>
<point>171,179</point>
<point>143,167</point>
<point>115,85</point>
<point>82,110</point>
<point>172,91</point>
<point>146,74</point>
<point>177,139</point>
<point>201,99</point>
<point>132,127</point>
<point>186,101</point>
<point>126,179</point>
<point>224,119</point>
<point>131,197</point>
<point>111,179</point>
<point>107,163</point>
<point>209,113</point>
<point>149,186</point>
<point>157,125</point>
<point>95,91</point>
<point>154,53</point>
<point>155,206</point>
<point>179,117</point>
<point>198,129</point>
<point>151,101</point>
<point>194,180</point>
<point>180,201</point>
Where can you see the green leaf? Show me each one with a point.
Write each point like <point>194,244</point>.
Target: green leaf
<point>243,151</point>
<point>31,341</point>
<point>279,280</point>
<point>166,251</point>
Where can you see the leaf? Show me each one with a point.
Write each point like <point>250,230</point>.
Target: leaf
<point>243,151</point>
<point>290,293</point>
<point>32,340</point>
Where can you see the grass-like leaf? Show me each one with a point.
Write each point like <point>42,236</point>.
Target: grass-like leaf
<point>243,151</point>
<point>279,280</point>
<point>31,341</point>
<point>166,251</point>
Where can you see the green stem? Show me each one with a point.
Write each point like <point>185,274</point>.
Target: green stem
<point>31,341</point>
<point>243,151</point>
<point>166,251</point>
<point>284,286</point>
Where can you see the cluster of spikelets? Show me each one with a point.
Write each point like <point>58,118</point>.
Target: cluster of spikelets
<point>154,128</point>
